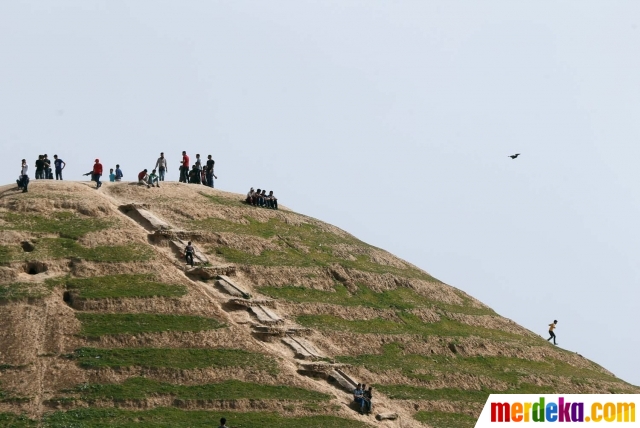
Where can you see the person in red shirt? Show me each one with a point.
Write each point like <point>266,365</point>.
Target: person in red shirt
<point>143,178</point>
<point>97,173</point>
<point>184,169</point>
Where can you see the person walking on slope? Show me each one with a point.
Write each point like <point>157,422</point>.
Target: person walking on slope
<point>161,166</point>
<point>552,335</point>
<point>188,253</point>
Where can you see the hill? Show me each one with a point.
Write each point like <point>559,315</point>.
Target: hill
<point>103,324</point>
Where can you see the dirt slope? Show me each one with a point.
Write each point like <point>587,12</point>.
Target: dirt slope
<point>281,312</point>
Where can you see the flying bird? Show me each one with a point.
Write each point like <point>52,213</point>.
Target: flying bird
<point>514,156</point>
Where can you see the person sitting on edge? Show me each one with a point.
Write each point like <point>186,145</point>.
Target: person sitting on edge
<point>119,174</point>
<point>368,396</point>
<point>154,179</point>
<point>257,198</point>
<point>263,197</point>
<point>112,176</point>
<point>273,201</point>
<point>552,326</point>
<point>189,251</point>
<point>223,423</point>
<point>249,199</point>
<point>358,397</point>
<point>143,178</point>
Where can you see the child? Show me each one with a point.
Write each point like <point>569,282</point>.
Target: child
<point>112,176</point>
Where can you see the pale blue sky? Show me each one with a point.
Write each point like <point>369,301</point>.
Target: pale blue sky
<point>392,120</point>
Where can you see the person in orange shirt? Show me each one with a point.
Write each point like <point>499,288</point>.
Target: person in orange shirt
<point>552,327</point>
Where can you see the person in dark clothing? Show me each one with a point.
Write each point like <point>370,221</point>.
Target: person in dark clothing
<point>368,396</point>
<point>197,166</point>
<point>209,170</point>
<point>552,327</point>
<point>223,423</point>
<point>273,201</point>
<point>257,198</point>
<point>47,167</point>
<point>59,165</point>
<point>189,251</point>
<point>119,173</point>
<point>23,181</point>
<point>39,167</point>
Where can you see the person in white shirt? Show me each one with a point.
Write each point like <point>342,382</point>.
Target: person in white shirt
<point>23,180</point>
<point>161,166</point>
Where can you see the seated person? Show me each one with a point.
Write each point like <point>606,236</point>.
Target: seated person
<point>194,175</point>
<point>143,178</point>
<point>153,179</point>
<point>272,200</point>
<point>249,199</point>
<point>368,396</point>
<point>358,397</point>
<point>263,197</point>
<point>257,199</point>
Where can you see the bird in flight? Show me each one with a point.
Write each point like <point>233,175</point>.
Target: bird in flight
<point>514,156</point>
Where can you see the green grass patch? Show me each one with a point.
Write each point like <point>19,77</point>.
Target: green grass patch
<point>175,418</point>
<point>61,248</point>
<point>99,324</point>
<point>410,392</point>
<point>141,388</point>
<point>400,298</point>
<point>176,358</point>
<point>16,421</point>
<point>408,324</point>
<point>289,236</point>
<point>123,286</point>
<point>507,369</point>
<point>24,291</point>
<point>446,420</point>
<point>66,224</point>
<point>220,200</point>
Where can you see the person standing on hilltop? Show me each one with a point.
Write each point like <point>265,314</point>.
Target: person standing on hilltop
<point>47,167</point>
<point>552,327</point>
<point>97,173</point>
<point>119,174</point>
<point>59,165</point>
<point>39,168</point>
<point>23,181</point>
<point>184,169</point>
<point>210,174</point>
<point>161,166</point>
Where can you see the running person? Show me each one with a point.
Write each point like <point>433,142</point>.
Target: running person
<point>552,335</point>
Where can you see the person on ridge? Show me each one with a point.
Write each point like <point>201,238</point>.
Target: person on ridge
<point>39,168</point>
<point>97,173</point>
<point>143,178</point>
<point>153,179</point>
<point>161,166</point>
<point>112,176</point>
<point>23,181</point>
<point>184,169</point>
<point>189,251</point>
<point>552,335</point>
<point>249,199</point>
<point>197,168</point>
<point>368,396</point>
<point>47,167</point>
<point>59,165</point>
<point>273,201</point>
<point>210,174</point>
<point>119,174</point>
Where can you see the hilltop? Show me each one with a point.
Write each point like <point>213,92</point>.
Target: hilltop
<point>104,325</point>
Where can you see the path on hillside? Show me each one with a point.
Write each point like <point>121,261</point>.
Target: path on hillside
<point>243,306</point>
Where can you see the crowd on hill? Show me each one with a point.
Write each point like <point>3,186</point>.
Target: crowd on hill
<point>43,170</point>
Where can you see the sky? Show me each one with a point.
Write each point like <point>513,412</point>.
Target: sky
<point>390,119</point>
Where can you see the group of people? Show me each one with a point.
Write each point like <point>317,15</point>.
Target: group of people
<point>363,397</point>
<point>259,198</point>
<point>198,173</point>
<point>43,170</point>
